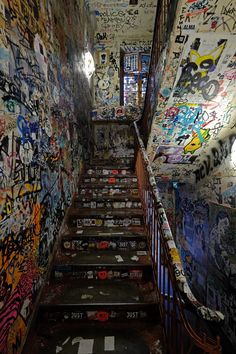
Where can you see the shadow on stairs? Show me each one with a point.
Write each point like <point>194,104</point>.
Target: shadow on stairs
<point>100,297</point>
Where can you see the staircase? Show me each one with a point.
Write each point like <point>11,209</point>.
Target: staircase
<point>100,297</point>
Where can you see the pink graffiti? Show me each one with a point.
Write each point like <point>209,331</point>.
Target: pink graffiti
<point>2,126</point>
<point>230,75</point>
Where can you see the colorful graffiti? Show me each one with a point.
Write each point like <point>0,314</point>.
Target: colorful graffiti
<point>38,150</point>
<point>206,240</point>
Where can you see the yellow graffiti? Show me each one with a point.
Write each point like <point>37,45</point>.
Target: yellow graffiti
<point>29,188</point>
<point>16,336</point>
<point>175,255</point>
<point>209,58</point>
<point>36,220</point>
<point>197,141</point>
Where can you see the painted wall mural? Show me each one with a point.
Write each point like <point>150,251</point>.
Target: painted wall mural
<point>192,145</point>
<point>207,242</point>
<point>39,164</point>
<point>196,104</point>
<point>113,141</point>
<point>119,26</point>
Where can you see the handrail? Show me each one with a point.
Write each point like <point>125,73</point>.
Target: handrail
<point>174,291</point>
<point>164,20</point>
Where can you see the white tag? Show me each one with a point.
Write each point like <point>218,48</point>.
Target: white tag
<point>141,253</point>
<point>76,340</point>
<point>79,232</point>
<point>109,343</point>
<point>119,259</point>
<point>67,340</point>
<point>86,346</point>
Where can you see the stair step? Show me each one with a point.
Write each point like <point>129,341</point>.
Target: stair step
<point>115,338</point>
<point>105,239</point>
<point>82,300</point>
<point>120,232</point>
<point>110,180</point>
<point>103,217</point>
<point>93,204</point>
<point>108,171</point>
<point>103,266</point>
<point>96,293</point>
<point>106,185</point>
<point>120,163</point>
<point>106,258</point>
<point>108,191</point>
<point>128,197</point>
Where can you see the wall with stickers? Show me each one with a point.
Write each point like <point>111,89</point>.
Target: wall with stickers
<point>119,26</point>
<point>191,142</point>
<point>41,73</point>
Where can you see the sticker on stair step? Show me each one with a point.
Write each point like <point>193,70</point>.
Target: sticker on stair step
<point>109,343</point>
<point>86,346</point>
<point>79,232</point>
<point>86,297</point>
<point>76,340</point>
<point>66,341</point>
<point>141,253</point>
<point>119,258</point>
<point>135,258</point>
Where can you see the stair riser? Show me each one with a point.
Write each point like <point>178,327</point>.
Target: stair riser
<point>105,188</point>
<point>101,273</point>
<point>74,221</point>
<point>108,172</point>
<point>93,204</point>
<point>104,244</point>
<point>110,180</point>
<point>98,314</point>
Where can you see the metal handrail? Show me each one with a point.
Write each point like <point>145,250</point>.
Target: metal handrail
<point>172,285</point>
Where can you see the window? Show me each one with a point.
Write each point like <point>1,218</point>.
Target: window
<point>134,75</point>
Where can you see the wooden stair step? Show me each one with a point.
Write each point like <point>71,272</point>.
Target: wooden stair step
<point>105,240</point>
<point>103,258</point>
<point>119,337</point>
<point>104,213</point>
<point>119,163</point>
<point>101,232</point>
<point>106,185</point>
<point>78,294</point>
<point>92,204</point>
<point>107,192</point>
<point>107,198</point>
<point>110,179</point>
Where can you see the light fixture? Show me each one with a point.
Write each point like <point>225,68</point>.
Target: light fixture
<point>89,66</point>
<point>233,153</point>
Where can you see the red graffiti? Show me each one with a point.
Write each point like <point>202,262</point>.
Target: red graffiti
<point>102,275</point>
<point>102,316</point>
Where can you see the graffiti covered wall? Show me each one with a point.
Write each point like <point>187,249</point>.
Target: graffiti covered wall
<point>196,100</point>
<point>119,26</point>
<point>206,241</point>
<point>41,65</point>
<point>192,144</point>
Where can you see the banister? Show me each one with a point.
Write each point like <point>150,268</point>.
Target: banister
<point>169,267</point>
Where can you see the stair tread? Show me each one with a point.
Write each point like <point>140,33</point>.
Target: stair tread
<point>96,293</point>
<point>107,198</point>
<point>104,212</point>
<point>103,258</point>
<point>140,339</point>
<point>102,232</point>
<point>108,186</point>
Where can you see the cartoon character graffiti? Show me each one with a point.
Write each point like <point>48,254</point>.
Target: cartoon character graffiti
<point>219,247</point>
<point>197,141</point>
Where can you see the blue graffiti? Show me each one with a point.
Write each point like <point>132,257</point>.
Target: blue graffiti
<point>27,129</point>
<point>187,120</point>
